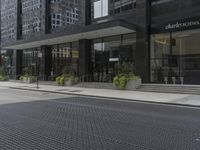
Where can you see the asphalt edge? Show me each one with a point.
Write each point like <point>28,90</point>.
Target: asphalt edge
<point>110,98</point>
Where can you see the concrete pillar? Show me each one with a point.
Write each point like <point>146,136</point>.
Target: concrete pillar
<point>85,52</point>
<point>17,64</point>
<point>143,41</point>
<point>45,63</point>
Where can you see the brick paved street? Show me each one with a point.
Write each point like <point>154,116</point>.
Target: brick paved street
<point>36,120</point>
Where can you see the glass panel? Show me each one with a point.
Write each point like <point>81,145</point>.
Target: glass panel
<point>6,60</point>
<point>119,6</point>
<point>104,7</point>
<point>109,52</point>
<point>186,50</point>
<point>61,56</point>
<point>160,57</point>
<point>29,60</point>
<point>97,9</point>
<point>182,62</point>
<point>129,47</point>
<point>75,57</point>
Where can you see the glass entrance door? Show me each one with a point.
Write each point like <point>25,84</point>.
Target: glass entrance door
<point>109,52</point>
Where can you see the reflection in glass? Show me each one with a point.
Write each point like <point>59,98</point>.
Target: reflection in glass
<point>186,51</point>
<point>29,60</point>
<point>109,52</point>
<point>160,52</point>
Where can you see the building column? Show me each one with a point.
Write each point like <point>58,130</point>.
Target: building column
<point>143,41</point>
<point>17,63</point>
<point>0,59</point>
<point>87,10</point>
<point>45,63</point>
<point>46,17</point>
<point>85,52</point>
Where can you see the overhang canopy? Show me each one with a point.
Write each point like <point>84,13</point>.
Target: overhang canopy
<point>89,32</point>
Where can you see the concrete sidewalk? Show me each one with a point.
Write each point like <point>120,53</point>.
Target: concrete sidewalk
<point>167,98</point>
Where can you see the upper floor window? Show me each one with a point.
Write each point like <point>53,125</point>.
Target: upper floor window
<point>54,1</point>
<point>119,6</point>
<point>100,8</point>
<point>56,20</point>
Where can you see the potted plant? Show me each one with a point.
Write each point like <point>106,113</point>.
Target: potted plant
<point>27,77</point>
<point>126,79</point>
<point>3,76</point>
<point>67,78</point>
<point>133,82</point>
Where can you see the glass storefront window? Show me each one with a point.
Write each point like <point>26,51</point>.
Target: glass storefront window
<point>29,60</point>
<point>63,55</point>
<point>74,57</point>
<point>176,55</point>
<point>6,61</point>
<point>109,52</point>
<point>186,55</point>
<point>119,6</point>
<point>160,52</point>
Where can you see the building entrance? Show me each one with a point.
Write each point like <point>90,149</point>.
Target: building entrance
<point>109,52</point>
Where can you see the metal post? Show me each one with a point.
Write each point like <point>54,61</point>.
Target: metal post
<point>37,68</point>
<point>39,55</point>
<point>37,75</point>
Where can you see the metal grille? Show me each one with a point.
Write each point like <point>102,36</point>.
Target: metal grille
<point>96,124</point>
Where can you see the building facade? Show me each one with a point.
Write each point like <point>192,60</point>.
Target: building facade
<point>158,38</point>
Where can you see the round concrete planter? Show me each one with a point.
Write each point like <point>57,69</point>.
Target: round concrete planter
<point>69,83</point>
<point>27,80</point>
<point>133,84</point>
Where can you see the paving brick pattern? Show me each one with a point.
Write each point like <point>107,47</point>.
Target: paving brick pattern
<point>79,123</point>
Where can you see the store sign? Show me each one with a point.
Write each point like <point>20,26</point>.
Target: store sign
<point>113,59</point>
<point>179,25</point>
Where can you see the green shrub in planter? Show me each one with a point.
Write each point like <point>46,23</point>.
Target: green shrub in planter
<point>58,80</point>
<point>69,77</point>
<point>62,81</point>
<point>33,78</point>
<point>27,79</point>
<point>2,72</point>
<point>121,80</point>
<point>65,79</point>
<point>21,78</point>
<point>3,78</point>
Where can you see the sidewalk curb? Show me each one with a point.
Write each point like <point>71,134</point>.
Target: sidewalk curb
<point>110,98</point>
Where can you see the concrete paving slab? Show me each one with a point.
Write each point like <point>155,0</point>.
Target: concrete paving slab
<point>184,99</point>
